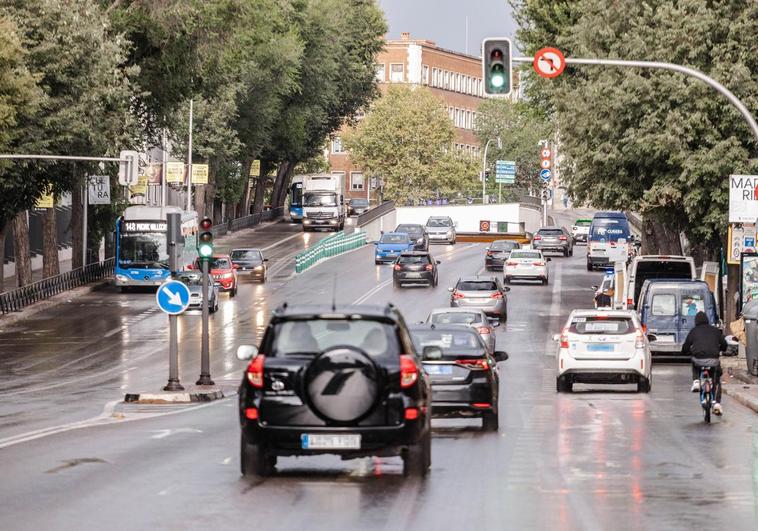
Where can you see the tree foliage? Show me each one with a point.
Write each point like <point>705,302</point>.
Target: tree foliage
<point>651,141</point>
<point>407,139</point>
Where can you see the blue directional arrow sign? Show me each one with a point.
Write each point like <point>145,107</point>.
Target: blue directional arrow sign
<point>545,174</point>
<point>173,297</point>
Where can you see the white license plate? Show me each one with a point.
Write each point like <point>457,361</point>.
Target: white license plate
<point>317,441</point>
<point>438,369</point>
<point>413,275</point>
<point>664,339</point>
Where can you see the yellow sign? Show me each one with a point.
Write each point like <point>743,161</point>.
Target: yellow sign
<point>174,172</point>
<point>255,168</point>
<point>141,187</point>
<point>199,174</point>
<point>45,201</point>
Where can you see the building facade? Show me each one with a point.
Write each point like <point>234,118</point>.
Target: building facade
<point>454,77</point>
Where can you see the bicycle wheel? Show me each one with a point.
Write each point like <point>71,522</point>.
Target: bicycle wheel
<point>707,405</point>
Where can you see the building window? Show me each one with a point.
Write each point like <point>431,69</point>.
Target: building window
<point>473,120</point>
<point>425,75</point>
<point>396,73</point>
<point>434,77</point>
<point>447,79</point>
<point>380,74</point>
<point>356,180</point>
<point>469,121</point>
<point>337,145</point>
<point>469,84</point>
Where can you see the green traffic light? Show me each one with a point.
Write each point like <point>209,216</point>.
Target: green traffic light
<point>205,250</point>
<point>497,80</point>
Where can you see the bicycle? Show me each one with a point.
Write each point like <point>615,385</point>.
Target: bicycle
<point>707,393</point>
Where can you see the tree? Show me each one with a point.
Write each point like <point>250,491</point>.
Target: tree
<point>407,139</point>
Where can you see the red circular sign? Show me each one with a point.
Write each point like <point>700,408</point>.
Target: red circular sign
<point>484,226</point>
<point>549,62</point>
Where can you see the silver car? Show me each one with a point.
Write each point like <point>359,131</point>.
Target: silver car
<point>194,283</point>
<point>476,319</point>
<point>441,229</point>
<point>483,293</point>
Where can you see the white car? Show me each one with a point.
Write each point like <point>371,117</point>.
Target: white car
<point>526,264</point>
<point>603,346</point>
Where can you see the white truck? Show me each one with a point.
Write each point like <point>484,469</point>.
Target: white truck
<point>323,202</point>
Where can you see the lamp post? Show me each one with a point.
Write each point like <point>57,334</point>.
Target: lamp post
<point>484,164</point>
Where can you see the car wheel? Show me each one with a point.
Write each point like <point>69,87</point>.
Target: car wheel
<point>544,281</point>
<point>396,284</point>
<point>377,262</point>
<point>565,253</point>
<point>126,289</point>
<point>233,292</point>
<point>490,421</point>
<point>589,266</point>
<point>507,280</point>
<point>571,252</point>
<point>417,458</point>
<point>212,309</point>
<point>643,385</point>
<point>563,384</point>
<point>254,459</point>
<point>452,243</point>
<point>504,317</point>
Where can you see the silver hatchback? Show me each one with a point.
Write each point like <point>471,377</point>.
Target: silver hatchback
<point>485,293</point>
<point>441,229</point>
<point>476,319</point>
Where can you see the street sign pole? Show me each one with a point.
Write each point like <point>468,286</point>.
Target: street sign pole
<point>205,358</point>
<point>173,227</point>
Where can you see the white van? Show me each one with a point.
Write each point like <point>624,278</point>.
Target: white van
<point>608,239</point>
<point>655,266</point>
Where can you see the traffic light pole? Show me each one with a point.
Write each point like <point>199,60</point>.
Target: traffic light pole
<point>173,228</point>
<point>205,358</point>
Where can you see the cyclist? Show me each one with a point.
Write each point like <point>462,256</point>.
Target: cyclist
<point>705,344</point>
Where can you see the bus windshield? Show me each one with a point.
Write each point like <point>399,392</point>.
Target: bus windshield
<point>609,229</point>
<point>143,249</point>
<point>296,195</point>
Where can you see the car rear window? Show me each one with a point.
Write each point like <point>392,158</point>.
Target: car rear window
<point>409,229</point>
<point>309,338</point>
<point>550,232</point>
<point>453,344</point>
<point>477,285</point>
<point>663,304</point>
<point>504,246</point>
<point>439,222</point>
<point>359,202</point>
<point>526,254</point>
<point>602,325</point>
<point>456,318</point>
<point>583,222</point>
<point>394,238</point>
<point>413,260</point>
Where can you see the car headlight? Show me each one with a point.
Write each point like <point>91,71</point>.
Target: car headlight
<point>420,240</point>
<point>259,268</point>
<point>307,221</point>
<point>449,232</point>
<point>122,278</point>
<point>227,275</point>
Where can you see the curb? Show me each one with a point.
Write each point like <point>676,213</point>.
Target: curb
<point>746,399</point>
<point>172,397</point>
<point>744,377</point>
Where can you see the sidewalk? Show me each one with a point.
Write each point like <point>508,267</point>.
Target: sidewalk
<point>737,383</point>
<point>10,282</point>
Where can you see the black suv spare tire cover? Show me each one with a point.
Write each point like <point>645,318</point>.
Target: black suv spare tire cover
<point>342,384</point>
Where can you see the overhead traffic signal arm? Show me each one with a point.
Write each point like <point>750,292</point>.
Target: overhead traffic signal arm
<point>496,66</point>
<point>205,239</point>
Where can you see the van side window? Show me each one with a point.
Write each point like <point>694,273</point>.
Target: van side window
<point>691,304</point>
<point>664,304</point>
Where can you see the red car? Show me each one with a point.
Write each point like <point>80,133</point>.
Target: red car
<point>223,272</point>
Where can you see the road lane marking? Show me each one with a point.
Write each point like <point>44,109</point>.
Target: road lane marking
<point>288,238</point>
<point>162,434</point>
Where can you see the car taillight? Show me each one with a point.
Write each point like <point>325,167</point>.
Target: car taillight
<point>251,413</point>
<point>255,371</point>
<point>563,238</point>
<point>537,238</point>
<point>490,253</point>
<point>411,413</point>
<point>478,363</point>
<point>639,338</point>
<point>484,330</point>
<point>496,295</point>
<point>510,263</point>
<point>613,244</point>
<point>629,303</point>
<point>428,267</point>
<point>408,371</point>
<point>539,263</point>
<point>482,405</point>
<point>397,267</point>
<point>564,338</point>
<point>457,295</point>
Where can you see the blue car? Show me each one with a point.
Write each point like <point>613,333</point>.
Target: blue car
<point>390,245</point>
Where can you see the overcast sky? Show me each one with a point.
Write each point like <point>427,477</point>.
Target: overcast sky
<point>444,21</point>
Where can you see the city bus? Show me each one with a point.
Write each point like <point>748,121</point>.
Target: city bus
<point>141,247</point>
<point>296,199</point>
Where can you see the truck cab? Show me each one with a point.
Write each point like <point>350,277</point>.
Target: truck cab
<point>323,202</point>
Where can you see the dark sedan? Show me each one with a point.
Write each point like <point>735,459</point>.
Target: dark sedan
<point>357,207</point>
<point>498,252</point>
<point>415,267</point>
<point>250,262</point>
<point>417,233</point>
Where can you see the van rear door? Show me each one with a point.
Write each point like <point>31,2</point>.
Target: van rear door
<point>662,315</point>
<point>692,300</point>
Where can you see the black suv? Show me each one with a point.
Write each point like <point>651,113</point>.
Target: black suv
<point>415,267</point>
<point>334,380</point>
<point>465,381</point>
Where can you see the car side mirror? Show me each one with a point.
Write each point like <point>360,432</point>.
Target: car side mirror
<point>495,322</point>
<point>486,248</point>
<point>500,355</point>
<point>235,266</point>
<point>265,259</point>
<point>652,337</point>
<point>450,290</point>
<point>557,337</point>
<point>506,289</point>
<point>432,353</point>
<point>548,259</point>
<point>594,288</point>
<point>246,352</point>
<point>438,262</point>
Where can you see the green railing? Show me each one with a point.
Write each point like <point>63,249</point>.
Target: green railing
<point>332,246</point>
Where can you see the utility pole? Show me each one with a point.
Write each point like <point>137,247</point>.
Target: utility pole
<point>484,165</point>
<point>173,236</point>
<point>189,161</point>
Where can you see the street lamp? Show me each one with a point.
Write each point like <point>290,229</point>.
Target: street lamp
<point>484,164</point>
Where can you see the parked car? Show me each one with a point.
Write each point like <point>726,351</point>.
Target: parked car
<point>415,268</point>
<point>498,252</point>
<point>342,380</point>
<point>474,318</point>
<point>441,229</point>
<point>417,233</point>
<point>250,262</point>
<point>526,264</point>
<point>463,372</point>
<point>357,206</point>
<point>222,271</point>
<point>603,346</point>
<point>580,230</point>
<point>390,245</point>
<point>667,311</point>
<point>484,293</point>
<point>554,239</point>
<point>193,280</point>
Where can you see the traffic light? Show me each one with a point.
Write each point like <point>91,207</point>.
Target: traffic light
<point>205,239</point>
<point>496,66</point>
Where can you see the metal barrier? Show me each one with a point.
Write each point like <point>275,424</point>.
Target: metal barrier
<point>375,213</point>
<point>20,298</point>
<point>332,246</point>
<point>246,222</point>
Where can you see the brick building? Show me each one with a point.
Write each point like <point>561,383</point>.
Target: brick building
<point>454,77</point>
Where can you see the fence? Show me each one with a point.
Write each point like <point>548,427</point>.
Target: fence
<point>20,298</point>
<point>332,246</point>
<point>246,222</point>
<point>375,213</point>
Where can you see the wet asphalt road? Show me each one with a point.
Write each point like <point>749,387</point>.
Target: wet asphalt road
<point>595,459</point>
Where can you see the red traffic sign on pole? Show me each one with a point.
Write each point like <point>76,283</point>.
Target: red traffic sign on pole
<point>549,62</point>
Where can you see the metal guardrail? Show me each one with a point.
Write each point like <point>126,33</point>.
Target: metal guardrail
<point>375,213</point>
<point>332,246</point>
<point>18,299</point>
<point>634,220</point>
<point>245,222</point>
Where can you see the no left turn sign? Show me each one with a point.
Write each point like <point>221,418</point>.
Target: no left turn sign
<point>549,62</point>
<point>545,153</point>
